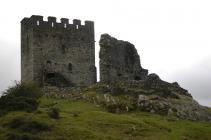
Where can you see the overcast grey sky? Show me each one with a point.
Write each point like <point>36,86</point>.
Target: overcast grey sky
<point>173,37</point>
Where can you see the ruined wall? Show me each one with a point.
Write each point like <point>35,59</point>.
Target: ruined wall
<point>58,50</point>
<point>119,60</point>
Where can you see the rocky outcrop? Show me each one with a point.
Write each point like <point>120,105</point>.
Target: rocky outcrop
<point>156,96</point>
<point>151,95</point>
<point>151,85</point>
<point>119,61</point>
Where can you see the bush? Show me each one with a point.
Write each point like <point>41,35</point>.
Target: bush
<point>30,90</point>
<point>9,103</point>
<point>15,136</point>
<point>112,108</point>
<point>28,125</point>
<point>2,112</point>
<point>21,97</point>
<point>54,113</point>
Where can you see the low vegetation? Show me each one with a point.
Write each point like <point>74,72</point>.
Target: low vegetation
<point>77,118</point>
<point>53,113</point>
<point>27,124</point>
<point>21,97</point>
<point>80,120</point>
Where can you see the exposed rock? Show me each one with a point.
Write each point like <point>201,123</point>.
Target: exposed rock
<point>152,85</point>
<point>119,60</point>
<point>142,98</point>
<point>151,95</point>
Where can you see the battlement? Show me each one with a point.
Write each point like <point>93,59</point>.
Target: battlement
<point>38,22</point>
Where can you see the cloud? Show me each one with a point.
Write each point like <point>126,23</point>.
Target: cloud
<point>197,79</point>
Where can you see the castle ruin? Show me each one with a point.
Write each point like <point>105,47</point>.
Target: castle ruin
<point>119,61</point>
<point>59,54</point>
<point>63,54</point>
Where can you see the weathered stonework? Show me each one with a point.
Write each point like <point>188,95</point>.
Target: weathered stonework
<point>119,61</point>
<point>61,54</point>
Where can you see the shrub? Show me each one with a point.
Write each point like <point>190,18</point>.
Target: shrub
<point>75,113</point>
<point>14,136</point>
<point>30,90</point>
<point>54,113</point>
<point>9,103</point>
<point>112,108</point>
<point>21,97</point>
<point>28,125</point>
<point>2,112</point>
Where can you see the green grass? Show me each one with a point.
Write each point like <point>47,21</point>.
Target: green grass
<point>80,120</point>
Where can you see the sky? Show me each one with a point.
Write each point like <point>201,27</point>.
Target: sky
<point>173,37</point>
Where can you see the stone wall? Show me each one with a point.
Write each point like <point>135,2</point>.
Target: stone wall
<point>57,52</point>
<point>119,60</point>
<point>26,53</point>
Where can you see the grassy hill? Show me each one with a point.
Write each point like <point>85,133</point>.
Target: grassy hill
<point>81,120</point>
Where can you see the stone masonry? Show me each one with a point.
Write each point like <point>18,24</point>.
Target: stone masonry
<point>119,60</point>
<point>61,54</point>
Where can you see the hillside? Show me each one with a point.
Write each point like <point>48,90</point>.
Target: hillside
<point>82,119</point>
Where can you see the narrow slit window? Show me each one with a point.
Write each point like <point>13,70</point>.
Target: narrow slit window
<point>70,67</point>
<point>52,24</point>
<point>38,23</point>
<point>27,42</point>
<point>76,26</point>
<point>65,25</point>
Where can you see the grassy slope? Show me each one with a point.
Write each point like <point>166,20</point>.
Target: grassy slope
<point>81,120</point>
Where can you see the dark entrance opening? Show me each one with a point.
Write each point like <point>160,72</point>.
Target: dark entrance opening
<point>50,75</point>
<point>137,78</point>
<point>119,74</point>
<point>56,79</point>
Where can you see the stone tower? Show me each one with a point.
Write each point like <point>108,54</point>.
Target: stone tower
<point>60,54</point>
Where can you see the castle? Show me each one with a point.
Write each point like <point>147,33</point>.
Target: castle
<point>63,54</point>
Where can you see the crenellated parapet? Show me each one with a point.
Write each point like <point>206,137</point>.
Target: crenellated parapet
<point>37,22</point>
